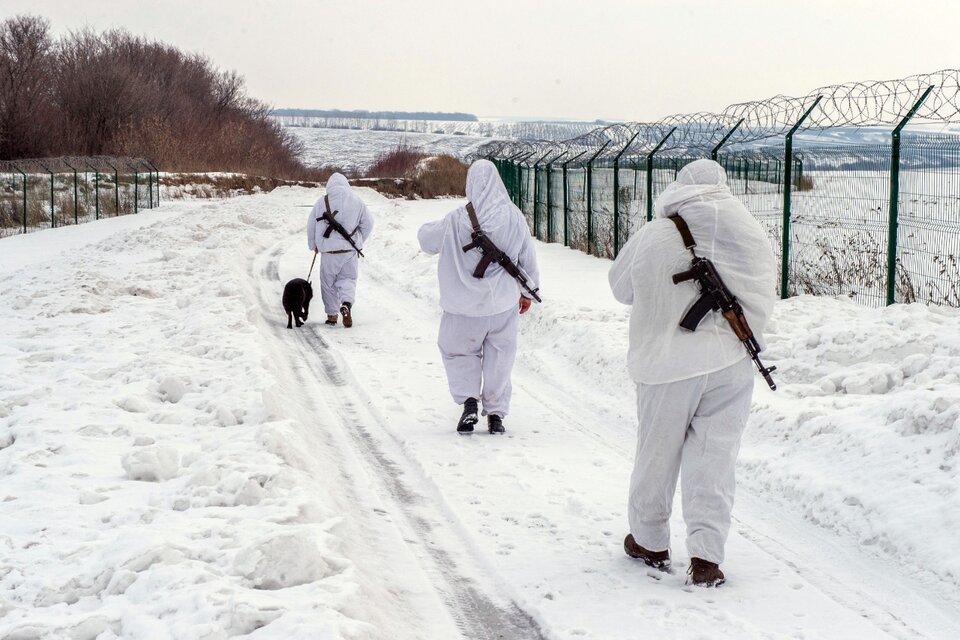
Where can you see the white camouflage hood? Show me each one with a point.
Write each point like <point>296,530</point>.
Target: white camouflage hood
<point>489,197</point>
<point>699,181</point>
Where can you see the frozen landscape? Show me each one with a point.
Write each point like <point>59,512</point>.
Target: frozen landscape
<point>177,464</point>
<point>329,147</point>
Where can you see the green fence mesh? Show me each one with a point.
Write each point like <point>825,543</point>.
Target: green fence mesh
<point>56,192</point>
<point>869,201</point>
<point>839,210</point>
<point>928,238</point>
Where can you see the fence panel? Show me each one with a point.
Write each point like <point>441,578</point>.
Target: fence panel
<point>755,176</point>
<point>555,210</point>
<point>577,208</point>
<point>928,235</point>
<point>840,207</point>
<point>526,192</point>
<point>54,192</point>
<point>540,208</point>
<point>601,200</point>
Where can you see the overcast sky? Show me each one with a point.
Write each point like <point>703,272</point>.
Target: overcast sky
<point>583,59</point>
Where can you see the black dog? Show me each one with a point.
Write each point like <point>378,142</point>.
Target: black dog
<point>296,301</point>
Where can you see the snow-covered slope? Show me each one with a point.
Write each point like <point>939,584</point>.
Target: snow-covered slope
<point>177,464</point>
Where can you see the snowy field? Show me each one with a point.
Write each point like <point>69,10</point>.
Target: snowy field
<point>177,464</point>
<point>324,147</point>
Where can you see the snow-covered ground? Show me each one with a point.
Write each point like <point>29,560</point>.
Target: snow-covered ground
<point>323,147</point>
<point>178,464</point>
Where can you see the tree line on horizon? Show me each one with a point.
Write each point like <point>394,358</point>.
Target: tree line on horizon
<point>363,114</point>
<point>113,93</point>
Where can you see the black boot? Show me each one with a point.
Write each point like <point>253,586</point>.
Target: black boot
<point>469,417</point>
<point>495,424</point>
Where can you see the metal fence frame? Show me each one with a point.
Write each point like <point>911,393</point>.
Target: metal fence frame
<point>759,144</point>
<point>29,191</point>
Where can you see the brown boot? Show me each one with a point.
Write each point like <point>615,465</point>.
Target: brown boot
<point>346,310</point>
<point>656,559</point>
<point>331,319</point>
<point>704,573</point>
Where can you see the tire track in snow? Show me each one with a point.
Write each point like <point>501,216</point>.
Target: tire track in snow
<point>825,563</point>
<point>478,614</point>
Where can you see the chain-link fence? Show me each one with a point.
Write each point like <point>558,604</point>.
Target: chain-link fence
<point>55,192</point>
<point>855,201</point>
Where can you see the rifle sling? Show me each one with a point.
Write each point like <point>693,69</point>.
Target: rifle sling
<point>684,230</point>
<point>705,303</point>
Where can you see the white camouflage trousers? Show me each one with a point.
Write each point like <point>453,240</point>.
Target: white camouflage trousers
<point>338,280</point>
<point>692,428</point>
<point>478,355</point>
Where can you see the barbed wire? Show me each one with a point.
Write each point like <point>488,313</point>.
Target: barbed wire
<point>852,104</point>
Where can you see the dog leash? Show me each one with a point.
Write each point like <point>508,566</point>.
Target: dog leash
<point>309,273</point>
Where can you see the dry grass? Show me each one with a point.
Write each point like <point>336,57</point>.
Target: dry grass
<point>441,175</point>
<point>400,162</point>
<point>406,173</point>
<point>803,183</point>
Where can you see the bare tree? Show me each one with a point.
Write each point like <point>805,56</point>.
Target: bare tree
<point>25,84</point>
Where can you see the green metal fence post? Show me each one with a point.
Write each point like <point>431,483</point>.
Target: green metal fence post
<point>616,195</point>
<point>76,194</point>
<point>723,140</point>
<point>53,215</point>
<point>566,201</point>
<point>787,166</point>
<point>116,187</point>
<point>150,186</point>
<point>136,189</point>
<point>24,175</point>
<point>518,173</point>
<point>536,194</point>
<point>895,199</point>
<point>590,197</point>
<point>650,173</point>
<point>24,196</point>
<point>514,169</point>
<point>550,225</point>
<point>520,180</point>
<point>96,190</point>
<point>156,172</point>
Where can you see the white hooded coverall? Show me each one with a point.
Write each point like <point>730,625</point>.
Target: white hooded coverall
<point>693,388</point>
<point>338,260</point>
<point>478,328</point>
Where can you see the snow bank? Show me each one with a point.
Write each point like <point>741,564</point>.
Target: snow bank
<point>863,437</point>
<point>162,480</point>
<point>147,491</point>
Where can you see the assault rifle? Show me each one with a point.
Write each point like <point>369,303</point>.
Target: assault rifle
<point>333,225</point>
<point>492,253</point>
<point>714,295</point>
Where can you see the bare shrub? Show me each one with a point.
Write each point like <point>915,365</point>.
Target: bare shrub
<point>441,175</point>
<point>803,183</point>
<point>406,173</point>
<point>38,207</point>
<point>400,162</point>
<point>11,212</point>
<point>113,93</point>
